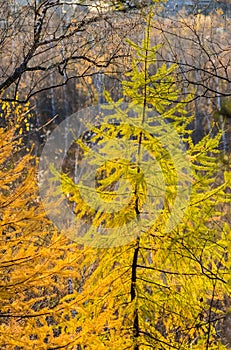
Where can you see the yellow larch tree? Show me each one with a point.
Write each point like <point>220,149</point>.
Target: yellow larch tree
<point>37,266</point>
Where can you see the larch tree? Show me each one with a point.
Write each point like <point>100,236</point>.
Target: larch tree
<point>159,275</point>
<point>36,263</point>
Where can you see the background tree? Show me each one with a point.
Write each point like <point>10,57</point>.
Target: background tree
<point>57,53</point>
<point>81,46</point>
<point>44,38</point>
<point>200,44</point>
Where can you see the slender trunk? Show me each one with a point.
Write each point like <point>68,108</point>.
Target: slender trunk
<point>133,294</point>
<point>136,328</point>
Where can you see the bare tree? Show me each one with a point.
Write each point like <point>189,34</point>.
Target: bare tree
<point>201,47</point>
<point>54,38</point>
<point>199,44</point>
